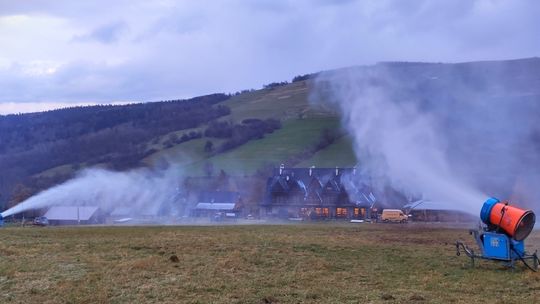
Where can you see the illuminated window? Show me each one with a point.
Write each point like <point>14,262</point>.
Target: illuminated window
<point>322,212</point>
<point>341,212</point>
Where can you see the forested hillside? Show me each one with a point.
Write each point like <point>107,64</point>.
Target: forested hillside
<point>114,136</point>
<point>39,150</point>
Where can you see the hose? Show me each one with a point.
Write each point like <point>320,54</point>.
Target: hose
<point>523,260</point>
<point>503,211</point>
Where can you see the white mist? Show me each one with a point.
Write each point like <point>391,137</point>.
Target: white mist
<point>408,143</point>
<point>142,191</point>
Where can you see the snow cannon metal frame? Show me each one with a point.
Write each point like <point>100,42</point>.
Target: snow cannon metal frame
<point>502,236</point>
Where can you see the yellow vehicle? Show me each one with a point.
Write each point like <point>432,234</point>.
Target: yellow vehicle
<point>394,215</point>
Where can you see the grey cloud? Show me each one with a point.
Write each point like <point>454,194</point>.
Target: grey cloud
<point>177,22</point>
<point>86,81</point>
<point>267,5</point>
<point>185,48</point>
<point>335,2</point>
<point>108,33</point>
<point>60,8</point>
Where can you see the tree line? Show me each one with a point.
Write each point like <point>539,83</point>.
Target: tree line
<point>238,134</point>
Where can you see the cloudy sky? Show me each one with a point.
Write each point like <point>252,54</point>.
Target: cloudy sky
<point>63,52</point>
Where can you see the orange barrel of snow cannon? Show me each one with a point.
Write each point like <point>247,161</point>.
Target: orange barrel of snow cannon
<point>516,222</point>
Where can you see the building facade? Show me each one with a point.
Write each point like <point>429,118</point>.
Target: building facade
<point>317,193</point>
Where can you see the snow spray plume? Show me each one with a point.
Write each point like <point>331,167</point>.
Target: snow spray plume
<point>452,133</point>
<point>140,191</point>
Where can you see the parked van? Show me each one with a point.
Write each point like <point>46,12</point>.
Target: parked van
<point>393,215</point>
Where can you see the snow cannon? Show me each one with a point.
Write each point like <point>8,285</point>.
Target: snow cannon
<point>502,234</point>
<point>515,222</point>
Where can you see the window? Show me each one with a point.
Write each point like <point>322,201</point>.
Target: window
<point>341,212</point>
<point>322,212</point>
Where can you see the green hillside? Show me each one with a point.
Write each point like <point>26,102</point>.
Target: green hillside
<point>340,154</point>
<point>303,124</point>
<point>276,148</point>
<point>285,102</point>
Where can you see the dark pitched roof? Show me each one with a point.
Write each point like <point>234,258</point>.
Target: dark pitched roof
<point>315,184</point>
<point>332,186</point>
<point>297,185</point>
<point>278,184</point>
<point>306,174</point>
<point>341,181</point>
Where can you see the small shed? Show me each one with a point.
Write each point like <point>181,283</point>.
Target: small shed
<point>217,210</point>
<point>428,211</point>
<point>74,215</point>
<point>218,202</point>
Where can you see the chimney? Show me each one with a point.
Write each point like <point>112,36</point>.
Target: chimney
<point>337,171</point>
<point>281,167</point>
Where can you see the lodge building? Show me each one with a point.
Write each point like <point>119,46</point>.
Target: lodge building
<point>317,193</point>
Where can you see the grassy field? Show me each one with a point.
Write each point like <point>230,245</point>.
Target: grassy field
<point>305,263</point>
<point>285,102</point>
<point>339,154</point>
<point>293,138</point>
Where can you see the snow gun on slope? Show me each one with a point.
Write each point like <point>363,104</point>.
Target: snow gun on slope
<point>502,235</point>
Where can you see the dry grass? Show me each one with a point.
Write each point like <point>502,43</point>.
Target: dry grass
<point>319,263</point>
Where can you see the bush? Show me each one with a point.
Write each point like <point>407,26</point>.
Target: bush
<point>301,77</point>
<point>274,85</point>
<point>249,129</point>
<point>218,129</point>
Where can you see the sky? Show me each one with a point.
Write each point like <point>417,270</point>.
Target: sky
<point>64,53</point>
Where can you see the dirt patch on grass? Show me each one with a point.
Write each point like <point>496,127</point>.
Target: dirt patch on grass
<point>174,258</point>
